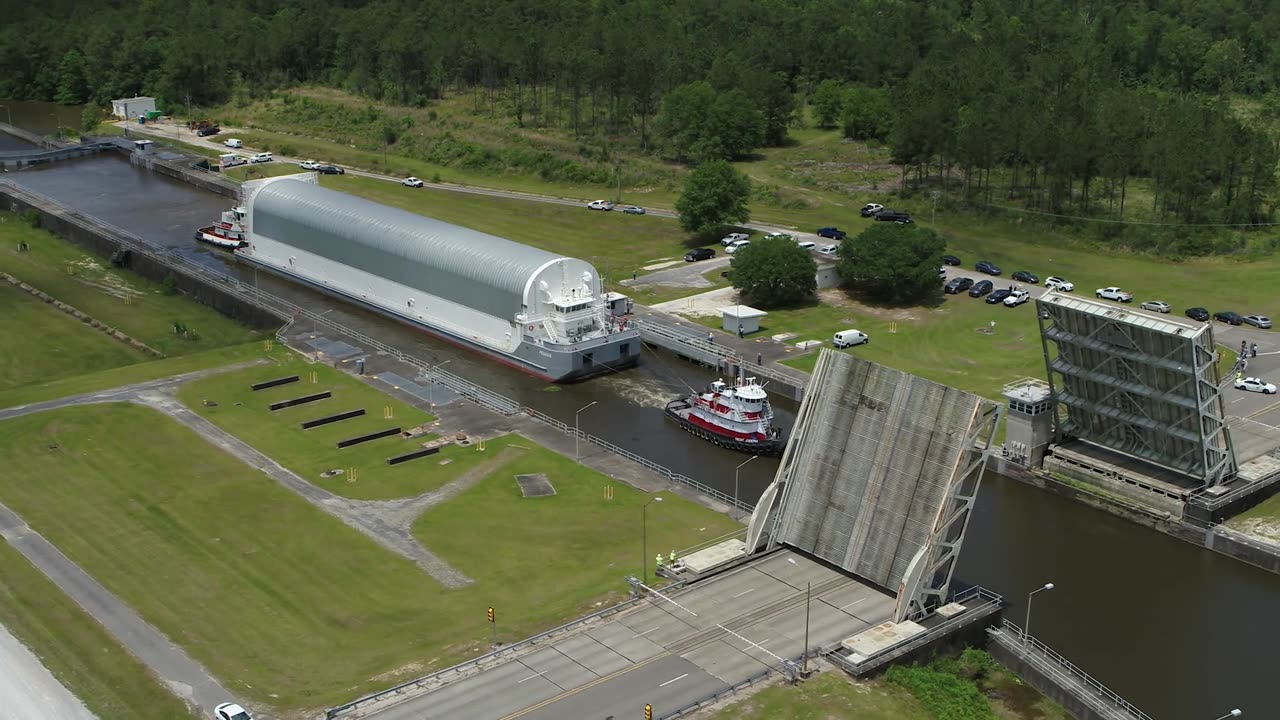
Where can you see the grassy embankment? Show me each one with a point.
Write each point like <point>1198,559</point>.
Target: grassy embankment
<point>76,649</point>
<point>266,590</point>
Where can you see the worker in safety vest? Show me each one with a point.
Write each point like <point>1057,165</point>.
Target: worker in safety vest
<point>657,561</point>
<point>673,557</point>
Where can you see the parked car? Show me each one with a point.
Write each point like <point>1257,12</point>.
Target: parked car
<point>980,288</point>
<point>1228,317</point>
<point>1198,313</point>
<point>777,236</point>
<point>1253,384</point>
<point>231,711</point>
<point>232,160</point>
<point>958,285</point>
<point>697,254</point>
<point>950,260</point>
<point>600,205</point>
<point>1017,297</point>
<point>829,249</point>
<point>990,268</point>
<point>1159,306</point>
<point>1027,277</point>
<point>807,244</point>
<point>1113,293</point>
<point>411,182</point>
<point>633,210</point>
<point>308,164</point>
<point>892,216</point>
<point>998,295</point>
<point>1258,321</point>
<point>942,272</point>
<point>830,233</point>
<point>208,131</point>
<point>330,170</point>
<point>870,209</point>
<point>233,143</point>
<point>732,238</point>
<point>736,245</point>
<point>849,338</point>
<point>261,158</point>
<point>1053,282</point>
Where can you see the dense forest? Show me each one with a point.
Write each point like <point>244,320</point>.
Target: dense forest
<point>1065,101</point>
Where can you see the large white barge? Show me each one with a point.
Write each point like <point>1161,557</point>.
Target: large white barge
<point>537,311</point>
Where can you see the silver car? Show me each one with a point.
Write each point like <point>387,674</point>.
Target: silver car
<point>1258,321</point>
<point>1159,306</point>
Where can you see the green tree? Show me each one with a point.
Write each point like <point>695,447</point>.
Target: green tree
<point>72,87</point>
<point>828,102</point>
<point>684,118</point>
<point>774,272</point>
<point>777,105</point>
<point>715,195</point>
<point>894,263</point>
<point>866,114</point>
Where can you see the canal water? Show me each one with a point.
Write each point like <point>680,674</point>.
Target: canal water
<point>1181,632</point>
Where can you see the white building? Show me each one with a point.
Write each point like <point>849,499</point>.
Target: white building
<point>130,108</point>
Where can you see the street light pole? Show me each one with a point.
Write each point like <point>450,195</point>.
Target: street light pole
<point>644,539</point>
<point>1234,713</point>
<point>577,457</point>
<point>808,594</point>
<point>735,484</point>
<point>432,382</point>
<point>315,322</point>
<point>1026,629</point>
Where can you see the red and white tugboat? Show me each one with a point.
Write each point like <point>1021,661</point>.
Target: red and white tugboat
<point>229,232</point>
<point>737,417</point>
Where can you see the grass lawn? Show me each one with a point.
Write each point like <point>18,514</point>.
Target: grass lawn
<point>42,343</point>
<point>110,682</point>
<point>284,603</point>
<point>309,453</point>
<point>829,696</point>
<point>91,285</point>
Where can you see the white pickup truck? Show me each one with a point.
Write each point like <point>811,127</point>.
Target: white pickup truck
<point>1114,293</point>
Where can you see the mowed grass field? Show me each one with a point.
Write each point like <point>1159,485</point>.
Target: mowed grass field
<point>93,286</point>
<point>829,696</point>
<point>243,413</point>
<point>89,662</point>
<point>283,602</point>
<point>42,343</point>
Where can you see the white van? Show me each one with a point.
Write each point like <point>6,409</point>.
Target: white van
<point>233,143</point>
<point>231,160</point>
<point>849,338</point>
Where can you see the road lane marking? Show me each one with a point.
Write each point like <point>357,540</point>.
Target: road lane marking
<point>744,592</point>
<point>1233,402</point>
<point>646,632</point>
<point>674,680</point>
<point>533,676</point>
<point>855,602</point>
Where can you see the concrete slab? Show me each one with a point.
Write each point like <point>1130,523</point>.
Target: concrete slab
<point>558,668</point>
<point>735,595</point>
<point>658,624</point>
<point>588,652</point>
<point>714,556</point>
<point>668,684</point>
<point>797,574</point>
<point>723,661</point>
<point>497,693</point>
<point>626,642</point>
<point>881,637</point>
<point>862,602</point>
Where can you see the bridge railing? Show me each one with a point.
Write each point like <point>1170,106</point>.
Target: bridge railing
<point>697,341</point>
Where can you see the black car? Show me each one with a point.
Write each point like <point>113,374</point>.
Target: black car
<point>987,267</point>
<point>958,285</point>
<point>1198,314</point>
<point>831,233</point>
<point>998,295</point>
<point>950,260</point>
<point>1228,317</point>
<point>699,254</point>
<point>980,288</point>
<point>1026,277</point>
<point>207,131</point>
<point>892,216</point>
<point>330,170</point>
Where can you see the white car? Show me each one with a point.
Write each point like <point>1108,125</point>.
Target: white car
<point>261,158</point>
<point>308,164</point>
<point>1113,293</point>
<point>1053,282</point>
<point>1016,298</point>
<point>737,245</point>
<point>231,711</point>
<point>829,249</point>
<point>807,244</point>
<point>411,182</point>
<point>1159,306</point>
<point>233,143</point>
<point>600,205</point>
<point>849,338</point>
<point>870,209</point>
<point>1258,385</point>
<point>732,238</point>
<point>777,236</point>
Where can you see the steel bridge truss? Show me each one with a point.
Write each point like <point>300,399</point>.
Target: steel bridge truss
<point>1136,383</point>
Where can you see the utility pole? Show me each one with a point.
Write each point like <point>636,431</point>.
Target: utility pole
<point>808,593</point>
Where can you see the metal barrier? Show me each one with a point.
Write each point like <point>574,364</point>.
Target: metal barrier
<point>660,328</point>
<point>1077,675</point>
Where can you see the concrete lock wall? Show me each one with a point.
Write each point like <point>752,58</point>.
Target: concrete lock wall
<point>1075,706</point>
<point>96,242</point>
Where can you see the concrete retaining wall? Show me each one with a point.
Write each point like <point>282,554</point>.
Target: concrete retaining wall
<point>99,241</point>
<point>1070,700</point>
<point>22,158</point>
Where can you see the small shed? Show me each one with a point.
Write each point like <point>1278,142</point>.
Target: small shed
<point>127,108</point>
<point>143,147</point>
<point>747,318</point>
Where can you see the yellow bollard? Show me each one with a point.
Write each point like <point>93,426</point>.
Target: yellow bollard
<point>266,345</point>
<point>387,413</point>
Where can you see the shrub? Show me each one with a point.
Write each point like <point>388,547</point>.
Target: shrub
<point>943,694</point>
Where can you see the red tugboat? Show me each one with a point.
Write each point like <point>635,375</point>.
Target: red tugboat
<point>737,417</point>
<point>229,232</point>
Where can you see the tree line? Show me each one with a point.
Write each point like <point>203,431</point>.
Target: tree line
<point>1058,104</point>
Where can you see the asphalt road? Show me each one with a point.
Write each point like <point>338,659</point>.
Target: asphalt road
<point>28,690</point>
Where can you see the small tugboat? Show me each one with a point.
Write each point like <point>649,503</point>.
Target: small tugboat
<point>737,417</point>
<point>229,232</point>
